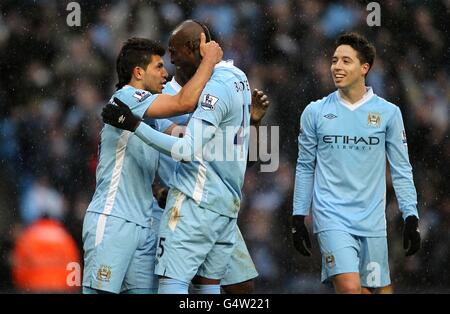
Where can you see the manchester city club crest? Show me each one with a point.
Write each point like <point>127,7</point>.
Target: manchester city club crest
<point>373,119</point>
<point>104,273</point>
<point>329,261</point>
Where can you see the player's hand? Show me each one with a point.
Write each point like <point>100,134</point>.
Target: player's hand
<point>120,116</point>
<point>260,104</point>
<point>300,235</point>
<point>411,235</point>
<point>161,196</point>
<point>210,51</point>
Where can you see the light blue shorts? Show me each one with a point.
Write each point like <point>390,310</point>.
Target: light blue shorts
<point>241,267</point>
<point>193,240</point>
<point>343,252</point>
<point>118,255</point>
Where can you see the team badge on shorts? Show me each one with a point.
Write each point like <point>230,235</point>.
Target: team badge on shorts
<point>329,261</point>
<point>104,273</point>
<point>209,102</point>
<point>373,119</point>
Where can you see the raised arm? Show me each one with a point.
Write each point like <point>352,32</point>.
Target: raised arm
<point>186,99</point>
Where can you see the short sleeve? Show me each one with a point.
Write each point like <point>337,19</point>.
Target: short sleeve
<point>138,100</point>
<point>213,104</point>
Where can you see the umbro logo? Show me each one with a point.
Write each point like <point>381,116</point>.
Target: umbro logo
<point>330,116</point>
<point>121,119</point>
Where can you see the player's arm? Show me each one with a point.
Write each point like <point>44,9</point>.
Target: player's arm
<point>304,180</point>
<point>186,99</point>
<point>260,104</point>
<point>184,148</point>
<point>176,130</point>
<point>121,116</point>
<point>306,163</point>
<point>199,131</point>
<point>402,180</point>
<point>168,127</point>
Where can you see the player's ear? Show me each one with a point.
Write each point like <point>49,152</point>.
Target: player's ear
<point>138,73</point>
<point>365,68</point>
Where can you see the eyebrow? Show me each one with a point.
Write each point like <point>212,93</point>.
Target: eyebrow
<point>344,57</point>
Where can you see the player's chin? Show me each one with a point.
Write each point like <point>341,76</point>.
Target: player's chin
<point>339,84</point>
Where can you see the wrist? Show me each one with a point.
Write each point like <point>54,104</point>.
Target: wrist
<point>136,125</point>
<point>299,218</point>
<point>255,122</point>
<point>411,218</point>
<point>209,61</point>
<point>411,222</point>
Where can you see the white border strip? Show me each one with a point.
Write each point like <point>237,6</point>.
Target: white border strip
<point>113,187</point>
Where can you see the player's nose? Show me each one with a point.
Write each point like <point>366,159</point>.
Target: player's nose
<point>338,65</point>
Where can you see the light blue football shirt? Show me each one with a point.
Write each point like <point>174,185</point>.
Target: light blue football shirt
<point>224,103</point>
<point>341,166</point>
<point>126,167</point>
<point>167,165</point>
<point>214,177</point>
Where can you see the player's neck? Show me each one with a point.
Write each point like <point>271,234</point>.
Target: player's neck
<point>180,79</point>
<point>353,94</point>
<point>136,84</point>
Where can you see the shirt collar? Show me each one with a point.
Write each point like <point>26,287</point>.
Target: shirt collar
<point>367,96</point>
<point>175,85</point>
<point>227,64</point>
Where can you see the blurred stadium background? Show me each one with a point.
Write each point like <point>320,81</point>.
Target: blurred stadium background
<point>54,80</point>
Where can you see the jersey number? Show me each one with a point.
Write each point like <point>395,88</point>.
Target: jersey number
<point>239,137</point>
<point>161,246</point>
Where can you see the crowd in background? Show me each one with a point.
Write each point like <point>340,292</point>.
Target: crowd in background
<point>55,79</point>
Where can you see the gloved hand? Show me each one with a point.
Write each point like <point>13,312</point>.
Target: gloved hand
<point>411,235</point>
<point>300,235</point>
<point>120,116</point>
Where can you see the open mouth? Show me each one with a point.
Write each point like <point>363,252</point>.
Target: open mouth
<point>339,76</point>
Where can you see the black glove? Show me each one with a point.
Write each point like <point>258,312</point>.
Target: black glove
<point>120,116</point>
<point>300,235</point>
<point>411,235</point>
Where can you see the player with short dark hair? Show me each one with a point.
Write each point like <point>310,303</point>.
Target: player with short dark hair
<point>118,240</point>
<point>241,270</point>
<point>198,227</point>
<point>341,171</point>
